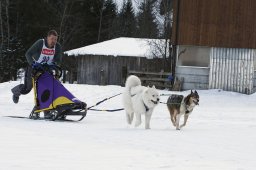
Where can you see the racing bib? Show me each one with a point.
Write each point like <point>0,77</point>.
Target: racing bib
<point>47,55</point>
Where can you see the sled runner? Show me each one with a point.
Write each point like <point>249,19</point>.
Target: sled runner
<point>42,119</point>
<point>52,97</point>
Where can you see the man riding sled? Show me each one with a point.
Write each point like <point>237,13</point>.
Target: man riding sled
<point>45,51</point>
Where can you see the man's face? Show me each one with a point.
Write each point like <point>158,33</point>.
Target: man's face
<point>51,40</point>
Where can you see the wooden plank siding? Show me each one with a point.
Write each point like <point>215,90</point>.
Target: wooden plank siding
<point>215,23</point>
<point>159,79</point>
<point>89,68</point>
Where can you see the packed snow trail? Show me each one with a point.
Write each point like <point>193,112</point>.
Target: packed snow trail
<point>220,134</point>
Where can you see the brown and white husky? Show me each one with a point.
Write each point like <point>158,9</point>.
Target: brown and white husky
<point>179,105</point>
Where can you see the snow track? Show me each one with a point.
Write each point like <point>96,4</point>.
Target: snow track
<point>220,134</point>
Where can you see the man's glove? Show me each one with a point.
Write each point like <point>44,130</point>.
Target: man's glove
<point>52,64</point>
<point>36,66</point>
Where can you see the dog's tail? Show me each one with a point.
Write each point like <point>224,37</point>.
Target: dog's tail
<point>132,81</point>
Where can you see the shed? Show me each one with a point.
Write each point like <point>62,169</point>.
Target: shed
<point>108,62</point>
<point>215,44</point>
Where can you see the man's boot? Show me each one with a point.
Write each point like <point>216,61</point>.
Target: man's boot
<point>16,94</point>
<point>15,99</point>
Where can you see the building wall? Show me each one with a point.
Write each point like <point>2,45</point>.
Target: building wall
<point>110,70</point>
<point>215,23</point>
<point>193,56</point>
<point>193,77</point>
<point>254,82</point>
<point>231,69</point>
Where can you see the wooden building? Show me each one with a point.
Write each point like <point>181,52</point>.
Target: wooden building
<point>108,62</point>
<point>215,44</point>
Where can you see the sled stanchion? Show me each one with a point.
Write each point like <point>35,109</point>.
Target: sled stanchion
<point>81,118</point>
<point>34,115</point>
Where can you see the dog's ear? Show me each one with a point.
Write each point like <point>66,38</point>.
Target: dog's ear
<point>191,92</point>
<point>153,87</point>
<point>196,92</point>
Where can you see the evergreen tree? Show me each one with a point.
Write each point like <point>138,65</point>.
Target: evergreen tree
<point>147,27</point>
<point>126,22</point>
<point>166,9</point>
<point>109,15</point>
<point>166,6</point>
<point>11,54</point>
<point>78,22</point>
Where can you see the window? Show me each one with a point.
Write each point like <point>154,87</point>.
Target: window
<point>193,56</point>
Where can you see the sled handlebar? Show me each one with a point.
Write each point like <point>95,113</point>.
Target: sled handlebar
<point>50,69</point>
<point>57,69</point>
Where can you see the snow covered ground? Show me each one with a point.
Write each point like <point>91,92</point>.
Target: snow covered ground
<point>220,134</point>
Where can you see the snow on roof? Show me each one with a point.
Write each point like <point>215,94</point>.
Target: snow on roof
<point>133,47</point>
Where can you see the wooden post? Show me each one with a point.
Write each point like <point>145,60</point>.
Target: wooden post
<point>102,77</point>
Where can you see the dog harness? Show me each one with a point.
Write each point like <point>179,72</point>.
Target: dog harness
<point>182,102</point>
<point>187,111</point>
<point>47,54</point>
<point>146,107</point>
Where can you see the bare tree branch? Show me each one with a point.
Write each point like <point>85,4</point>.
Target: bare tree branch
<point>63,18</point>
<point>100,24</point>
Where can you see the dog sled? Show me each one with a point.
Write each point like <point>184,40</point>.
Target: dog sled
<point>51,97</point>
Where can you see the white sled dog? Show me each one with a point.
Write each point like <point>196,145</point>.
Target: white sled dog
<point>138,100</point>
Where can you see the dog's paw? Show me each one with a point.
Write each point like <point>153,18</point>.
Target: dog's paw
<point>182,126</point>
<point>128,119</point>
